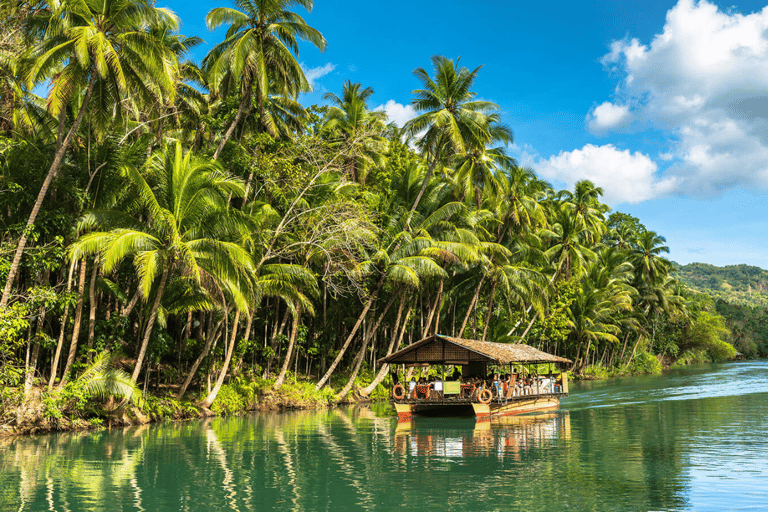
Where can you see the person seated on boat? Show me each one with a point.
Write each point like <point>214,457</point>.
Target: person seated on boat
<point>412,387</point>
<point>456,375</point>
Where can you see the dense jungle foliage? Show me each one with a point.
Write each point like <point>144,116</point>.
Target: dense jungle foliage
<point>194,231</point>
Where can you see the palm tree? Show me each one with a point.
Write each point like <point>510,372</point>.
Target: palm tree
<point>258,54</point>
<point>569,249</point>
<point>452,120</point>
<point>92,47</point>
<point>184,226</point>
<point>650,266</point>
<point>357,129</point>
<point>588,210</point>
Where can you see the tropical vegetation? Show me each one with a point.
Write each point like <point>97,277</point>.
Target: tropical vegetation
<point>220,241</point>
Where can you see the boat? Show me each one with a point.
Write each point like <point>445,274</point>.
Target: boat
<point>473,393</point>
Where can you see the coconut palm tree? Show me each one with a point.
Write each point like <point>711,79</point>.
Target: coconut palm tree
<point>452,119</point>
<point>258,55</point>
<point>104,48</point>
<point>357,129</point>
<point>184,226</point>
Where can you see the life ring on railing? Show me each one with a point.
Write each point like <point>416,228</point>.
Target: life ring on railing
<point>485,396</point>
<point>398,392</point>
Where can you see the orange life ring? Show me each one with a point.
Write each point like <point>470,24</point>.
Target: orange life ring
<point>398,392</point>
<point>487,394</point>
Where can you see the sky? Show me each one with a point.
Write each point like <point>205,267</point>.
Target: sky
<point>662,104</point>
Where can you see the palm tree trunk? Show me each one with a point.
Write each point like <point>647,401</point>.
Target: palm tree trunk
<point>490,309</point>
<point>289,352</point>
<point>632,356</point>
<point>210,336</point>
<point>60,343</point>
<point>471,306</point>
<point>624,348</point>
<point>78,321</point>
<point>151,322</point>
<point>126,311</point>
<point>427,177</point>
<point>52,173</point>
<point>351,336</point>
<point>434,307</point>
<point>530,324</point>
<point>32,365</point>
<point>361,355</point>
<point>395,340</point>
<point>276,340</point>
<point>92,303</point>
<point>225,367</point>
<point>244,104</point>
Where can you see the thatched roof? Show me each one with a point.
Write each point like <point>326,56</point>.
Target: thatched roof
<point>439,349</point>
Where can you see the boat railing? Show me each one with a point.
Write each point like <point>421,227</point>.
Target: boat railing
<point>459,392</point>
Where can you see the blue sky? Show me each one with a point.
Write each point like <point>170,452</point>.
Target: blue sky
<point>663,104</point>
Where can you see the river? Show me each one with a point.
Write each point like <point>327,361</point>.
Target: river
<point>691,439</point>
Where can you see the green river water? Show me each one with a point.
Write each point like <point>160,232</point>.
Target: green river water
<point>691,439</point>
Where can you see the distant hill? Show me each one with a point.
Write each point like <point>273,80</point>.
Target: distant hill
<point>737,284</point>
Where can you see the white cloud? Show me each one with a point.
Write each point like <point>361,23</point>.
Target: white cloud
<point>314,74</point>
<point>704,81</point>
<point>608,117</point>
<point>624,176</point>
<point>397,113</point>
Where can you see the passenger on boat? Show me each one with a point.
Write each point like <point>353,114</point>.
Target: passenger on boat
<point>412,387</point>
<point>437,386</point>
<point>496,385</point>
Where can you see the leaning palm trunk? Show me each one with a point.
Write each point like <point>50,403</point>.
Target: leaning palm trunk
<point>351,336</point>
<point>530,306</point>
<point>396,340</point>
<point>210,336</point>
<point>76,328</point>
<point>361,355</point>
<point>244,105</point>
<point>289,352</point>
<point>150,324</point>
<point>224,367</point>
<point>634,349</point>
<point>434,308</point>
<point>490,309</point>
<point>52,173</point>
<point>471,306</point>
<point>60,343</point>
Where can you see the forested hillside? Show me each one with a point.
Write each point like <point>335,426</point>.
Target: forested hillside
<point>194,237</point>
<point>736,284</point>
<point>741,296</point>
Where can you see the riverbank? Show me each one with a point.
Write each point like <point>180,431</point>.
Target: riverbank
<point>64,410</point>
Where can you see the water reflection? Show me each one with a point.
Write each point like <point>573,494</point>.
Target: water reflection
<point>503,437</point>
<point>674,448</point>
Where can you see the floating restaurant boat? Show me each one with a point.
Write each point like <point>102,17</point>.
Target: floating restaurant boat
<point>473,393</point>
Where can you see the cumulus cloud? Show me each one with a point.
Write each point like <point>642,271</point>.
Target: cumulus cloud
<point>608,117</point>
<point>625,177</point>
<point>314,74</point>
<point>397,113</point>
<point>704,81</point>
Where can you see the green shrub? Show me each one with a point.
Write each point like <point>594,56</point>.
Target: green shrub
<point>228,401</point>
<point>645,363</point>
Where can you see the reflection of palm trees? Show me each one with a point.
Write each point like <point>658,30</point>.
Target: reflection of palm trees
<point>214,447</point>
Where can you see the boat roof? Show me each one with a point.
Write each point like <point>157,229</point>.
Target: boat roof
<point>439,349</point>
